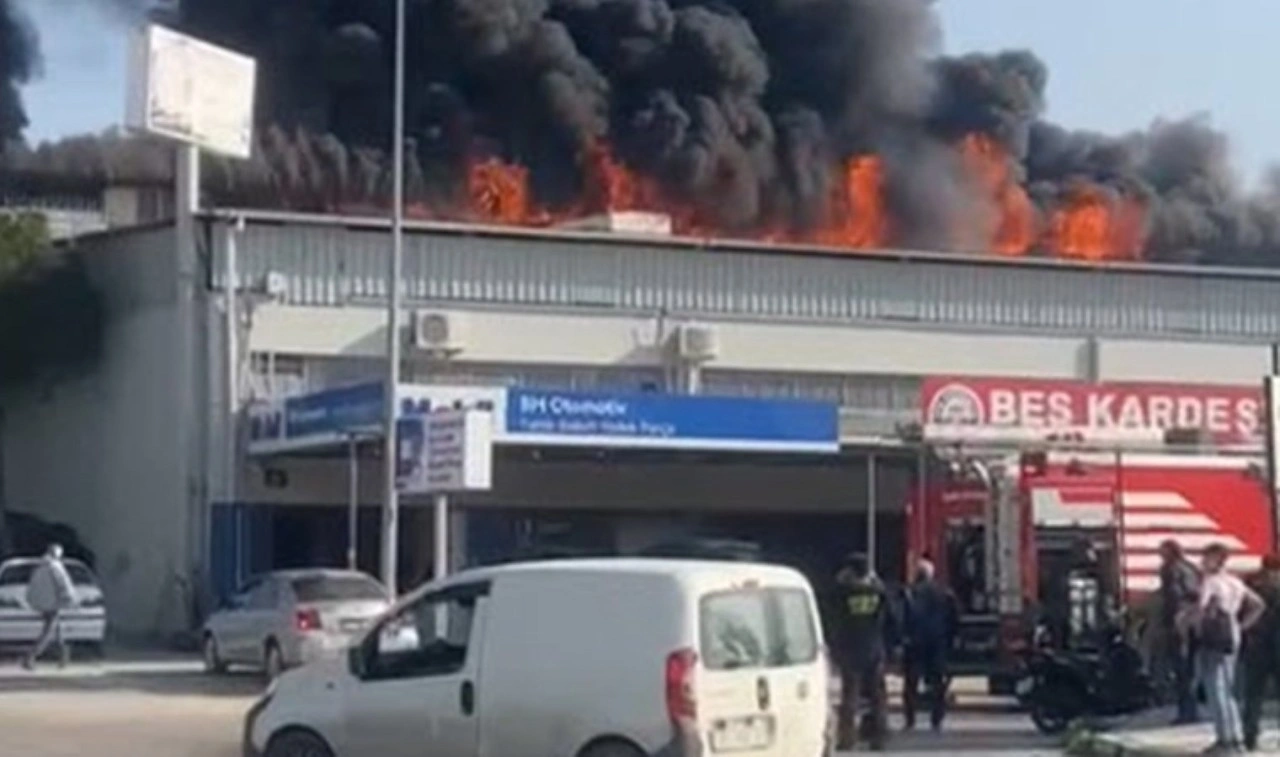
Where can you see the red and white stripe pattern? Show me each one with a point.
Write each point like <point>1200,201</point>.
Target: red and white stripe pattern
<point>1149,519</point>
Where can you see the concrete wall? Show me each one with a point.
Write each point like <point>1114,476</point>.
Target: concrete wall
<point>103,452</point>
<point>496,336</point>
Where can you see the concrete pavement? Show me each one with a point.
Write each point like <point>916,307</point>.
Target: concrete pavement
<point>1149,735</point>
<point>147,708</point>
<point>164,706</point>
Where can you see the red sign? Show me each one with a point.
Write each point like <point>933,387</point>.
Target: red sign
<point>1229,414</point>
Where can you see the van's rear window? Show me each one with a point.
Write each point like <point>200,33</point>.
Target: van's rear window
<point>757,628</point>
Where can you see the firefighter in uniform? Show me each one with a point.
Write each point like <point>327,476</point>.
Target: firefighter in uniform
<point>1262,649</point>
<point>865,626</point>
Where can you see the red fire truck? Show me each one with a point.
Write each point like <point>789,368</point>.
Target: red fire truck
<point>1001,527</point>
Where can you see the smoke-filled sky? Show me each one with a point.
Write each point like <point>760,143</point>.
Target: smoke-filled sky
<point>1114,66</point>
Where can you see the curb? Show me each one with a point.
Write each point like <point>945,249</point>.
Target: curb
<point>1083,742</point>
<point>1086,743</point>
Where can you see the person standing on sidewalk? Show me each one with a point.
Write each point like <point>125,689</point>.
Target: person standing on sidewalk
<point>1262,649</point>
<point>1179,591</point>
<point>930,630</point>
<point>50,593</point>
<point>865,625</point>
<point>1225,610</point>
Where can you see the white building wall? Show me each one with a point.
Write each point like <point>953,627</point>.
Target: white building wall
<point>1190,362</point>
<point>103,453</point>
<point>498,336</point>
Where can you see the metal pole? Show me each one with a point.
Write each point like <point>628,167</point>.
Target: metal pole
<point>232,288</point>
<point>353,502</point>
<point>872,506</point>
<point>390,517</point>
<point>1122,578</point>
<point>196,518</point>
<point>924,519</point>
<point>441,552</point>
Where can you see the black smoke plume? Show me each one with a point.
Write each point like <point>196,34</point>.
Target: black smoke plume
<point>18,60</point>
<point>741,109</point>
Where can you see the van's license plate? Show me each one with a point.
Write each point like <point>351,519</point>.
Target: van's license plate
<point>1024,686</point>
<point>741,734</point>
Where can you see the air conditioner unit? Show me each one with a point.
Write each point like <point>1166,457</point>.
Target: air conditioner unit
<point>274,285</point>
<point>436,332</point>
<point>695,342</point>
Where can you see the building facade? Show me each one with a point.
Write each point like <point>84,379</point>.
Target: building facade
<point>148,461</point>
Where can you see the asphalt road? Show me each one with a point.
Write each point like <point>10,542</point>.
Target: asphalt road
<point>168,708</point>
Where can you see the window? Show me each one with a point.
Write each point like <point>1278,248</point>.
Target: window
<point>80,574</point>
<point>261,597</point>
<point>798,642</point>
<point>20,575</point>
<point>757,628</point>
<point>324,588</point>
<point>428,638</point>
<point>17,575</point>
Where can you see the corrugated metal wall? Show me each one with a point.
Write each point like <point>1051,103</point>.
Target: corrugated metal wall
<point>330,265</point>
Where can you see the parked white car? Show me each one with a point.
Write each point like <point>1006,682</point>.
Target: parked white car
<point>287,618</point>
<point>85,624</point>
<point>574,658</point>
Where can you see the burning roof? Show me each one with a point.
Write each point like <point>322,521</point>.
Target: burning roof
<point>833,122</point>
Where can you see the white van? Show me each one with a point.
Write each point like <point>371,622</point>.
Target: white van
<point>590,658</point>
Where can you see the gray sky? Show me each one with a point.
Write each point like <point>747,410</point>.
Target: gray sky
<point>1115,65</point>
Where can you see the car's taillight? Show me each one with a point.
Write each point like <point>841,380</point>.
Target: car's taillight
<point>680,670</point>
<point>307,620</point>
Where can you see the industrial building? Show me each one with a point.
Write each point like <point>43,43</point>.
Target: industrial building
<point>181,497</point>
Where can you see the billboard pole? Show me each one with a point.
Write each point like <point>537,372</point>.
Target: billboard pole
<point>390,518</point>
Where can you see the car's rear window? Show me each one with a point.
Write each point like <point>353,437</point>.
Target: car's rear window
<point>757,628</point>
<point>336,589</point>
<point>80,575</point>
<point>20,575</point>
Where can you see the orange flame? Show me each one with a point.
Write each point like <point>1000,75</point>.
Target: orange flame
<point>1093,226</point>
<point>499,192</point>
<point>1090,225</point>
<point>1012,228</point>
<point>856,214</point>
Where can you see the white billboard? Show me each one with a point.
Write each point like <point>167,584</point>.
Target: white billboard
<point>445,451</point>
<point>191,91</point>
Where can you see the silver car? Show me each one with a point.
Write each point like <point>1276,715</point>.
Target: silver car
<point>288,618</point>
<point>85,623</point>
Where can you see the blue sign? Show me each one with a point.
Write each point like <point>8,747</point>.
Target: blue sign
<point>334,411</point>
<point>670,421</point>
<point>332,416</point>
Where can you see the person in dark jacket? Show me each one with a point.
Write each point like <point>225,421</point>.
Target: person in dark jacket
<point>1179,590</point>
<point>1262,649</point>
<point>930,629</point>
<point>865,623</point>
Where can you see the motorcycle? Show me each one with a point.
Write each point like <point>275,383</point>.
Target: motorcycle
<point>1060,686</point>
